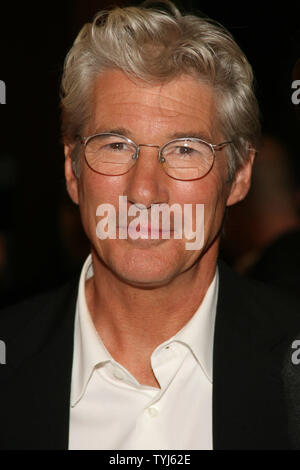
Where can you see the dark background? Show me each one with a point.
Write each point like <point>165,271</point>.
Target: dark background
<point>41,243</point>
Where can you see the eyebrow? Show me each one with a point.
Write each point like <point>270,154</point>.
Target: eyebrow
<point>193,134</point>
<point>176,135</point>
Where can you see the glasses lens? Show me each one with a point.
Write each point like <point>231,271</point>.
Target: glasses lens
<point>110,154</point>
<point>187,159</point>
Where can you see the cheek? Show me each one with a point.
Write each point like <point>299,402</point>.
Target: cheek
<point>209,191</point>
<point>212,193</point>
<point>90,196</point>
<point>214,211</point>
<point>96,189</point>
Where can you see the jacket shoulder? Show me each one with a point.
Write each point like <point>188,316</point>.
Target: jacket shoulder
<point>266,307</point>
<point>260,291</point>
<point>47,305</point>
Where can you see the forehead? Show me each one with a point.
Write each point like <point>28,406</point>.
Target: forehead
<point>183,104</point>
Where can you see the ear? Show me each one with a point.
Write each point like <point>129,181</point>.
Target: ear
<point>71,178</point>
<point>242,181</point>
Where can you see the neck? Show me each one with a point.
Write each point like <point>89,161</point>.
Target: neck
<point>130,318</point>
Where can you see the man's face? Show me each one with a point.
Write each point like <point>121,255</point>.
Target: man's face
<point>153,114</point>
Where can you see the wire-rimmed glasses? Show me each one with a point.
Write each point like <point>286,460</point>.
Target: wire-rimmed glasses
<point>186,158</point>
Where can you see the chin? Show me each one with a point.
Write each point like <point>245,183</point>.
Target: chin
<point>150,281</point>
<point>145,266</point>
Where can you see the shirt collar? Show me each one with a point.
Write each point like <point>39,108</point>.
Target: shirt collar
<point>89,350</point>
<point>198,333</point>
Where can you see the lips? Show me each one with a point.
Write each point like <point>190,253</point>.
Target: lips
<point>144,232</point>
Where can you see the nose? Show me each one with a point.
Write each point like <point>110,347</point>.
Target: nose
<point>147,183</point>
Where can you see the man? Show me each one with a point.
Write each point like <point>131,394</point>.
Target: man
<point>157,347</point>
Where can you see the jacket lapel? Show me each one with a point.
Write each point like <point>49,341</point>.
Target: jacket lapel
<point>35,389</point>
<point>248,398</point>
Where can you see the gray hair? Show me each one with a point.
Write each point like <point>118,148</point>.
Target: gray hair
<point>157,46</point>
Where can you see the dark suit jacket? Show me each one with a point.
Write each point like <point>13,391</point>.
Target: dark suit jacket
<point>256,387</point>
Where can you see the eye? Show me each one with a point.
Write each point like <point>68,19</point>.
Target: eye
<point>118,146</point>
<point>184,150</point>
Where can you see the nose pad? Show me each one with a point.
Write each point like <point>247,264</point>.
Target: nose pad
<point>137,153</point>
<point>160,158</point>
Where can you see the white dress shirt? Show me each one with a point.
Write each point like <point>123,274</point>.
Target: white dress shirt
<point>110,409</point>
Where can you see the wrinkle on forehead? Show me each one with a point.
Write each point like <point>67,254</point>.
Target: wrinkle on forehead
<point>118,97</point>
<point>165,94</point>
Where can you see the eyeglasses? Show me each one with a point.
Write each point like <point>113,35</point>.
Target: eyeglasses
<point>187,158</point>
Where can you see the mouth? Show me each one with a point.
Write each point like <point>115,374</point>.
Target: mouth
<point>144,232</point>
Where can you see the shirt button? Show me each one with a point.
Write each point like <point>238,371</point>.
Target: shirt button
<point>153,412</point>
<point>118,374</point>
